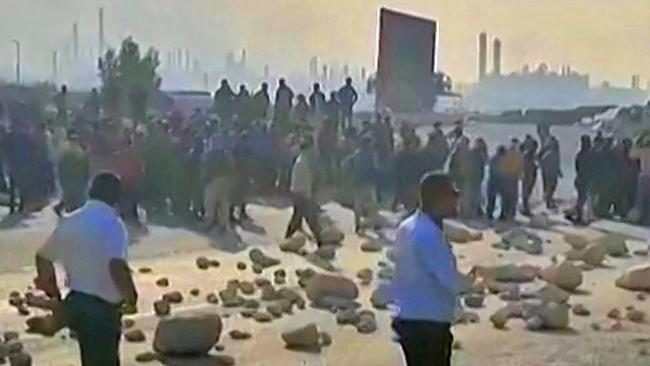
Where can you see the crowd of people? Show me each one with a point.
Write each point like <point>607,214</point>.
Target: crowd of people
<point>210,164</point>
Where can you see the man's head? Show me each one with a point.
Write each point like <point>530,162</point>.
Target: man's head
<point>348,81</point>
<point>282,83</point>
<point>585,142</point>
<point>64,89</point>
<point>242,88</point>
<point>306,143</point>
<point>438,194</point>
<point>316,87</point>
<point>106,187</point>
<point>224,82</point>
<point>333,95</point>
<point>265,86</point>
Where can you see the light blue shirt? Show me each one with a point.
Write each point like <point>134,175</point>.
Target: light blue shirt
<point>426,282</point>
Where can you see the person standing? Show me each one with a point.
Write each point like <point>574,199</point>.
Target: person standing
<point>495,183</point>
<point>92,245</point>
<point>301,111</point>
<point>427,283</point>
<point>61,103</point>
<point>74,170</point>
<point>549,159</point>
<point>348,97</point>
<point>242,101</point>
<point>529,153</point>
<point>317,101</point>
<point>363,168</point>
<point>283,106</point>
<point>301,192</point>
<point>584,165</point>
<point>260,103</point>
<point>224,103</point>
<point>511,173</point>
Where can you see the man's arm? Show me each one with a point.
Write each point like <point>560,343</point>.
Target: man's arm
<point>46,277</point>
<point>121,275</point>
<point>437,259</point>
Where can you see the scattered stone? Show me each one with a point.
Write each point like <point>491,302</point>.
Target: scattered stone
<point>187,336</point>
<point>595,326</point>
<point>294,244</point>
<point>230,299</point>
<point>461,235</point>
<point>16,301</point>
<point>241,266</point>
<point>128,323</point>
<point>219,347</point>
<point>580,310</point>
<point>577,241</point>
<point>523,240</point>
<point>135,336</point>
<point>251,304</point>
<point>553,315</point>
<point>552,293</point>
<point>327,252</point>
<point>636,278</point>
<point>365,275</point>
<point>275,309</point>
<point>594,254</point>
<point>261,282</point>
<point>465,317</point>
<point>325,339</point>
<point>292,296</point>
<point>641,296</point>
<point>162,282</point>
<point>322,285</point>
<point>10,336</point>
<point>145,357</point>
<point>501,316</point>
<point>635,315</point>
<point>174,297</point>
<point>46,325</point>
<point>303,337</point>
<point>330,234</point>
<point>371,246</point>
<point>161,308</point>
<point>535,323</point>
<point>319,262</point>
<point>386,273</point>
<point>457,345</point>
<point>641,252</point>
<point>367,323</point>
<point>257,269</point>
<point>348,316</point>
<point>378,301</point>
<point>247,288</point>
<point>280,273</point>
<point>615,244</point>
<point>541,221</point>
<point>262,317</point>
<point>247,313</point>
<point>239,335</point>
<point>509,273</point>
<point>203,263</point>
<point>195,292</point>
<point>564,275</point>
<point>23,311</point>
<point>474,300</point>
<point>259,258</point>
<point>614,314</point>
<point>224,360</point>
<point>510,296</point>
<point>212,299</point>
<point>215,263</point>
<point>269,294</point>
<point>279,280</point>
<point>20,359</point>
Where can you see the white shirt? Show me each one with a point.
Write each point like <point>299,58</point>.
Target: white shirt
<point>426,282</point>
<point>301,175</point>
<point>84,243</point>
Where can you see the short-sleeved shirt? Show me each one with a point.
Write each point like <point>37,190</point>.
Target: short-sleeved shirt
<point>85,243</point>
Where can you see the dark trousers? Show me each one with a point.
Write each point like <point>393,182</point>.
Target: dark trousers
<point>550,185</point>
<point>527,186</point>
<point>425,343</point>
<point>583,193</point>
<point>510,198</point>
<point>493,190</point>
<point>303,208</point>
<point>97,325</point>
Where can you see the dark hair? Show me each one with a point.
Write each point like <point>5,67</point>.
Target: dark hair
<point>433,185</point>
<point>106,187</point>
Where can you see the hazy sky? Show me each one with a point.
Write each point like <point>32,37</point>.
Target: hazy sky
<point>609,39</point>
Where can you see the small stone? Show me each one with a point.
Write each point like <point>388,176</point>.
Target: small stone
<point>595,326</point>
<point>212,299</point>
<point>371,246</point>
<point>378,301</point>
<point>135,336</point>
<point>174,297</point>
<point>161,308</point>
<point>280,273</point>
<point>325,339</point>
<point>535,323</point>
<point>239,335</point>
<point>258,257</point>
<point>224,360</point>
<point>580,310</point>
<point>13,346</point>
<point>327,252</point>
<point>386,273</point>
<point>247,313</point>
<point>128,323</point>
<point>279,280</point>
<point>203,263</point>
<point>365,275</point>
<point>145,357</point>
<point>641,252</point>
<point>367,324</point>
<point>294,244</point>
<point>215,263</point>
<point>348,316</point>
<point>195,292</point>
<point>241,266</point>
<point>275,309</point>
<point>129,309</point>
<point>145,270</point>
<point>303,337</point>
<point>247,288</point>
<point>23,311</point>
<point>269,294</point>
<point>616,326</point>
<point>641,296</point>
<point>251,304</point>
<point>16,301</point>
<point>261,282</point>
<point>20,359</point>
<point>162,282</point>
<point>474,301</point>
<point>614,314</point>
<point>10,336</point>
<point>257,269</point>
<point>635,315</point>
<point>457,345</point>
<point>262,317</point>
<point>219,347</point>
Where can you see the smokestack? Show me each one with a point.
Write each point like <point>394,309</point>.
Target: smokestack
<point>75,39</point>
<point>313,67</point>
<point>325,73</point>
<point>55,66</point>
<point>243,58</point>
<point>482,55</point>
<point>188,67</point>
<point>179,59</point>
<point>101,32</point>
<point>267,72</point>
<point>363,74</point>
<point>636,82</point>
<point>496,49</point>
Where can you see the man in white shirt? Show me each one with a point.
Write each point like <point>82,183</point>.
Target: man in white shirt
<point>91,245</point>
<point>426,282</point>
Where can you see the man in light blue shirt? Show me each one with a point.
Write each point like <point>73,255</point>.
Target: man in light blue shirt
<point>426,282</point>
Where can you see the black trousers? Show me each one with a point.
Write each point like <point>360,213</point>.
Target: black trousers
<point>97,324</point>
<point>549,180</point>
<point>425,343</point>
<point>527,187</point>
<point>303,208</point>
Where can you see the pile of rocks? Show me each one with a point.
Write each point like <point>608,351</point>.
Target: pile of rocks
<point>12,349</point>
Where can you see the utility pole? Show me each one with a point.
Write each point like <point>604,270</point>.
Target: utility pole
<point>17,43</point>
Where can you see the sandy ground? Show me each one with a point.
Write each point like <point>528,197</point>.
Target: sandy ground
<point>171,252</point>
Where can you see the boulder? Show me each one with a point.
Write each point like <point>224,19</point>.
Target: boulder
<point>247,288</point>
<point>257,269</point>
<point>294,244</point>
<point>203,263</point>
<point>334,303</point>
<point>635,315</point>
<point>162,282</point>
<point>508,273</point>
<point>161,308</point>
<point>306,336</point>
<point>615,244</point>
<point>580,310</point>
<point>20,359</point>
<point>555,316</point>
<point>371,246</point>
<point>238,335</point>
<point>594,254</point>
<point>322,285</point>
<point>247,313</point>
<point>577,241</point>
<point>541,221</point>
<point>330,234</point>
<point>174,297</point>
<point>46,325</point>
<point>135,336</point>
<point>564,275</point>
<point>188,335</point>
<point>636,278</point>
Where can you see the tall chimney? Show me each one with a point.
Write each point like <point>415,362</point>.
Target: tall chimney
<point>482,55</point>
<point>188,66</point>
<point>55,66</point>
<point>101,32</point>
<point>496,49</point>
<point>75,39</point>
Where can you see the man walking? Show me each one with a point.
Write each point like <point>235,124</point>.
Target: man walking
<point>91,245</point>
<point>348,98</point>
<point>426,282</point>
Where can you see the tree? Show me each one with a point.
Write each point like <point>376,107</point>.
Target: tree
<point>129,77</point>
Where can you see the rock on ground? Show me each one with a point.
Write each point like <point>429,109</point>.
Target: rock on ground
<point>187,335</point>
<point>20,359</point>
<point>580,310</point>
<point>322,285</point>
<point>615,244</point>
<point>564,275</point>
<point>135,336</point>
<point>294,244</point>
<point>509,273</point>
<point>237,334</point>
<point>636,278</point>
<point>371,246</point>
<point>461,235</point>
<point>306,336</point>
<point>577,241</point>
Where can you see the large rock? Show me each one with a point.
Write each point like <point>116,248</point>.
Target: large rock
<point>615,244</point>
<point>461,235</point>
<point>46,325</point>
<point>553,293</point>
<point>306,336</point>
<point>330,234</point>
<point>523,240</point>
<point>322,285</point>
<point>187,335</point>
<point>294,244</point>
<point>594,254</point>
<point>636,278</point>
<point>577,241</point>
<point>261,259</point>
<point>564,275</point>
<point>541,221</point>
<point>509,273</point>
<point>553,315</point>
<point>20,359</point>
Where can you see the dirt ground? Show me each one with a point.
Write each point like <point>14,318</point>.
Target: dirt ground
<point>171,252</point>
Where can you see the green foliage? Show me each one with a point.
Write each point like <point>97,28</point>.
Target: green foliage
<point>130,78</point>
